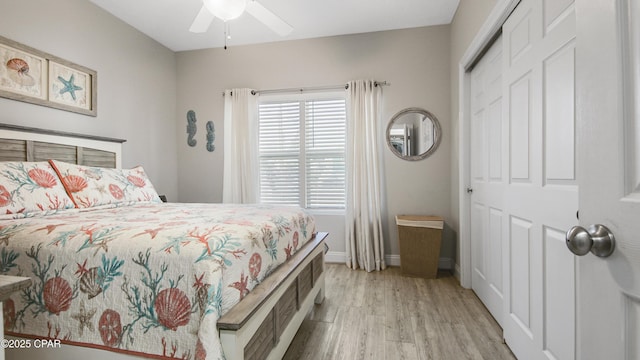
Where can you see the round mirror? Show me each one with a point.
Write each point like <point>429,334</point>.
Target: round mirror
<point>413,134</point>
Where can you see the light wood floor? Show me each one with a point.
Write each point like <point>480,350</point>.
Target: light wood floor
<point>384,315</point>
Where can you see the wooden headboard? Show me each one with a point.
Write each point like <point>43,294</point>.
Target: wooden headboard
<point>19,143</point>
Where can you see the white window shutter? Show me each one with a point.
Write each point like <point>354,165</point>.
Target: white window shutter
<point>302,153</point>
<point>325,153</point>
<point>279,148</point>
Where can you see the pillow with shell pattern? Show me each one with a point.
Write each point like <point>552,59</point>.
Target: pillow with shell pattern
<point>91,186</point>
<point>30,187</point>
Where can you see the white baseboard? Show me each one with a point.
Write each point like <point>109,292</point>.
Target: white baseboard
<point>391,260</point>
<point>446,263</point>
<point>335,257</point>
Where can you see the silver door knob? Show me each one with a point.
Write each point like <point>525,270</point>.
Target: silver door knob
<point>598,239</point>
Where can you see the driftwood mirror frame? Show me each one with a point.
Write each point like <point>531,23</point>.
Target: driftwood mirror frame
<point>426,115</point>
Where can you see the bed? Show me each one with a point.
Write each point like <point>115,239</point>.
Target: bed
<point>114,268</point>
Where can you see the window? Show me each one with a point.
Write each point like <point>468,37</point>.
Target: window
<point>302,151</point>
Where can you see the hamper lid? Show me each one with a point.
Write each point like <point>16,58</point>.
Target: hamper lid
<point>433,222</point>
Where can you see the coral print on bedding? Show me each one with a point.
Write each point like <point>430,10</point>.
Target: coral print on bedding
<point>30,187</point>
<point>94,186</point>
<point>150,279</point>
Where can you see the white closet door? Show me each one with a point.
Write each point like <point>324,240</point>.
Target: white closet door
<point>608,75</point>
<point>487,180</point>
<point>541,195</point>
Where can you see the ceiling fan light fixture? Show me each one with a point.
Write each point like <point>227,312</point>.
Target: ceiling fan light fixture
<point>226,9</point>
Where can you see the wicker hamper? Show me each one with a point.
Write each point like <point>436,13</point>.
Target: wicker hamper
<point>420,238</point>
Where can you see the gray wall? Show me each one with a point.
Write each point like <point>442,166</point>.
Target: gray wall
<point>144,91</point>
<point>415,61</point>
<point>470,16</point>
<point>136,81</point>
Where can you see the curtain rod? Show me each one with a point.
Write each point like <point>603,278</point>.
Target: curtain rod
<point>316,88</point>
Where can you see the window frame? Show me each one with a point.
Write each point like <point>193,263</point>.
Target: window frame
<point>302,98</point>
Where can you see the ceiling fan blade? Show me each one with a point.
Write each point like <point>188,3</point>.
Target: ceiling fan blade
<point>202,21</point>
<point>271,20</point>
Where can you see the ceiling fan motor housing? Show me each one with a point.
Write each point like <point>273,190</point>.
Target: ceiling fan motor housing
<point>226,9</point>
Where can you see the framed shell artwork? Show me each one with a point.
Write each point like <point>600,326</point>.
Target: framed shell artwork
<point>33,76</point>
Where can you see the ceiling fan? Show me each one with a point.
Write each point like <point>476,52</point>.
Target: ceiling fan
<point>231,9</point>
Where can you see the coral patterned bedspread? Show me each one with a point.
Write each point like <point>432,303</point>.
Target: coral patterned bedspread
<point>150,279</point>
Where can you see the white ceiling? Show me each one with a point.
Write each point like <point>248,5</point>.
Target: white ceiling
<point>168,21</point>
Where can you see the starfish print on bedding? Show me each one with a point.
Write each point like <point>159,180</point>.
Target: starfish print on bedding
<point>254,239</point>
<point>69,86</point>
<point>241,285</point>
<point>82,269</point>
<point>198,281</point>
<point>84,317</point>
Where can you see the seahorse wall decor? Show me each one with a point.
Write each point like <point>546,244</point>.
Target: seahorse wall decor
<point>211,136</point>
<point>191,128</point>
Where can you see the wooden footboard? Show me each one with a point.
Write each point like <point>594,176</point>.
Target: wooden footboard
<point>264,323</point>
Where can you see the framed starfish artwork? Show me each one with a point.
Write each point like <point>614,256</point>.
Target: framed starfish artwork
<point>70,86</point>
<point>33,76</point>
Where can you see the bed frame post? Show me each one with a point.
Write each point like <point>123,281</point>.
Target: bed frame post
<point>320,297</point>
<point>233,347</point>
